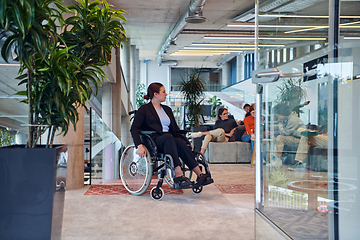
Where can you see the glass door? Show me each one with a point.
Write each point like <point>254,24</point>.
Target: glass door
<point>308,118</point>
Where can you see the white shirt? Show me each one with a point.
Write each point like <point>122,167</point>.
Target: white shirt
<point>164,119</point>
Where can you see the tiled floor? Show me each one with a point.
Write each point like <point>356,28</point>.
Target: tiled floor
<point>224,210</point>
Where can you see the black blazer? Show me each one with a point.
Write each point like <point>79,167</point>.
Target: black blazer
<point>146,119</point>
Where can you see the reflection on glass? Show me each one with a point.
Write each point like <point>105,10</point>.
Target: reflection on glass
<point>304,184</point>
<point>101,151</point>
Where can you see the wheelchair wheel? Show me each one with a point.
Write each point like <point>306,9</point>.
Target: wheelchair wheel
<point>157,193</point>
<point>135,172</point>
<point>197,190</point>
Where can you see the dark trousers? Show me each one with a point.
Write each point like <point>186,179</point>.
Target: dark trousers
<point>176,147</point>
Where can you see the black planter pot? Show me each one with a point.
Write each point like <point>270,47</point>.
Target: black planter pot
<point>32,191</point>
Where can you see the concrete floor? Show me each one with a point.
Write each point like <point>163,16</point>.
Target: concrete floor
<point>209,215</point>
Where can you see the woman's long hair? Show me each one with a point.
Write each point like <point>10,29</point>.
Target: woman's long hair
<point>152,88</point>
<point>220,111</point>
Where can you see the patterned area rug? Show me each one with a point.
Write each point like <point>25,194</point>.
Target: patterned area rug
<point>236,188</point>
<point>119,189</point>
<point>300,224</point>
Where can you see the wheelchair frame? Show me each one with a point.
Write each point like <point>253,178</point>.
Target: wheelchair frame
<point>137,178</point>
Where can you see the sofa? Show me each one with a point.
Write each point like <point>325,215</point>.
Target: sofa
<point>229,152</point>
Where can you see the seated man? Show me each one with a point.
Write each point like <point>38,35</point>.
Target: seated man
<point>308,139</point>
<point>290,128</point>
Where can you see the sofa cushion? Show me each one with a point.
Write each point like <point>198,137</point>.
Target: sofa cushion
<point>230,152</point>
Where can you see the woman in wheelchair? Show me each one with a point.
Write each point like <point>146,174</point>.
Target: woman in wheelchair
<point>159,118</point>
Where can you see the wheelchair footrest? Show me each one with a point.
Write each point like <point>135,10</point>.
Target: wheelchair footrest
<point>182,183</point>
<point>203,180</point>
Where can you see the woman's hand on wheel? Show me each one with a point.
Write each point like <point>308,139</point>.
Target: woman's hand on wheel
<point>141,151</point>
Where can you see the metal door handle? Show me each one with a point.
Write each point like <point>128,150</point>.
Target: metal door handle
<point>271,75</point>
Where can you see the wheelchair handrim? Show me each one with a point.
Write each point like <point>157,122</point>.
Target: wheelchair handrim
<point>130,168</point>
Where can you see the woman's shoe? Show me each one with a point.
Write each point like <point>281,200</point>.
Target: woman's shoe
<point>203,179</point>
<point>182,182</point>
<point>196,134</point>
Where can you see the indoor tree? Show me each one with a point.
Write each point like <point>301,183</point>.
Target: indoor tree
<point>215,102</point>
<point>193,88</point>
<point>291,92</point>
<point>58,62</point>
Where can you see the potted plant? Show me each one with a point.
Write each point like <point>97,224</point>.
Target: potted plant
<point>57,67</point>
<point>292,93</point>
<point>193,88</point>
<point>140,93</point>
<point>6,138</point>
<point>215,102</point>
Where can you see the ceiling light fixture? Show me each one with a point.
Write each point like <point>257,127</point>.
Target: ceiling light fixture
<point>342,25</point>
<point>272,26</point>
<point>208,50</point>
<point>265,38</point>
<point>353,38</point>
<point>292,38</point>
<point>237,45</point>
<point>301,16</point>
<point>230,37</point>
<point>220,48</point>
<point>10,64</point>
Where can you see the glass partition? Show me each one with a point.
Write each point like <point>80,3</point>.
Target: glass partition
<point>102,149</point>
<point>309,126</point>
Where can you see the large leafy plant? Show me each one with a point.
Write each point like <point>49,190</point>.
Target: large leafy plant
<point>291,92</point>
<point>140,93</point>
<point>59,64</point>
<point>215,102</point>
<point>6,138</point>
<point>193,88</point>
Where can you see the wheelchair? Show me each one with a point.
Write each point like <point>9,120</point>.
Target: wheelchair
<point>136,173</point>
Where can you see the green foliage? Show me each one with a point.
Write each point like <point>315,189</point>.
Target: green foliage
<point>291,93</point>
<point>6,138</point>
<point>140,93</point>
<point>61,64</point>
<point>215,102</point>
<point>30,27</point>
<point>92,31</point>
<point>193,89</point>
<point>279,179</point>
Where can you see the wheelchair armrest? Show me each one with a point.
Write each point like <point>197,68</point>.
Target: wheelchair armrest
<point>147,132</point>
<point>183,132</point>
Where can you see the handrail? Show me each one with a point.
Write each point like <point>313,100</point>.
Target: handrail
<point>123,77</point>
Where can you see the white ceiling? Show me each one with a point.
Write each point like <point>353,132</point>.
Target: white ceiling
<point>150,22</point>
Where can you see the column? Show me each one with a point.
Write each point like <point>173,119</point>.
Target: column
<point>281,56</point>
<point>275,60</point>
<point>240,67</point>
<point>270,60</point>
<point>137,66</point>
<point>287,54</point>
<point>263,60</point>
<point>75,141</point>
<point>125,64</point>
<point>111,100</point>
<point>133,76</point>
<point>225,81</point>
